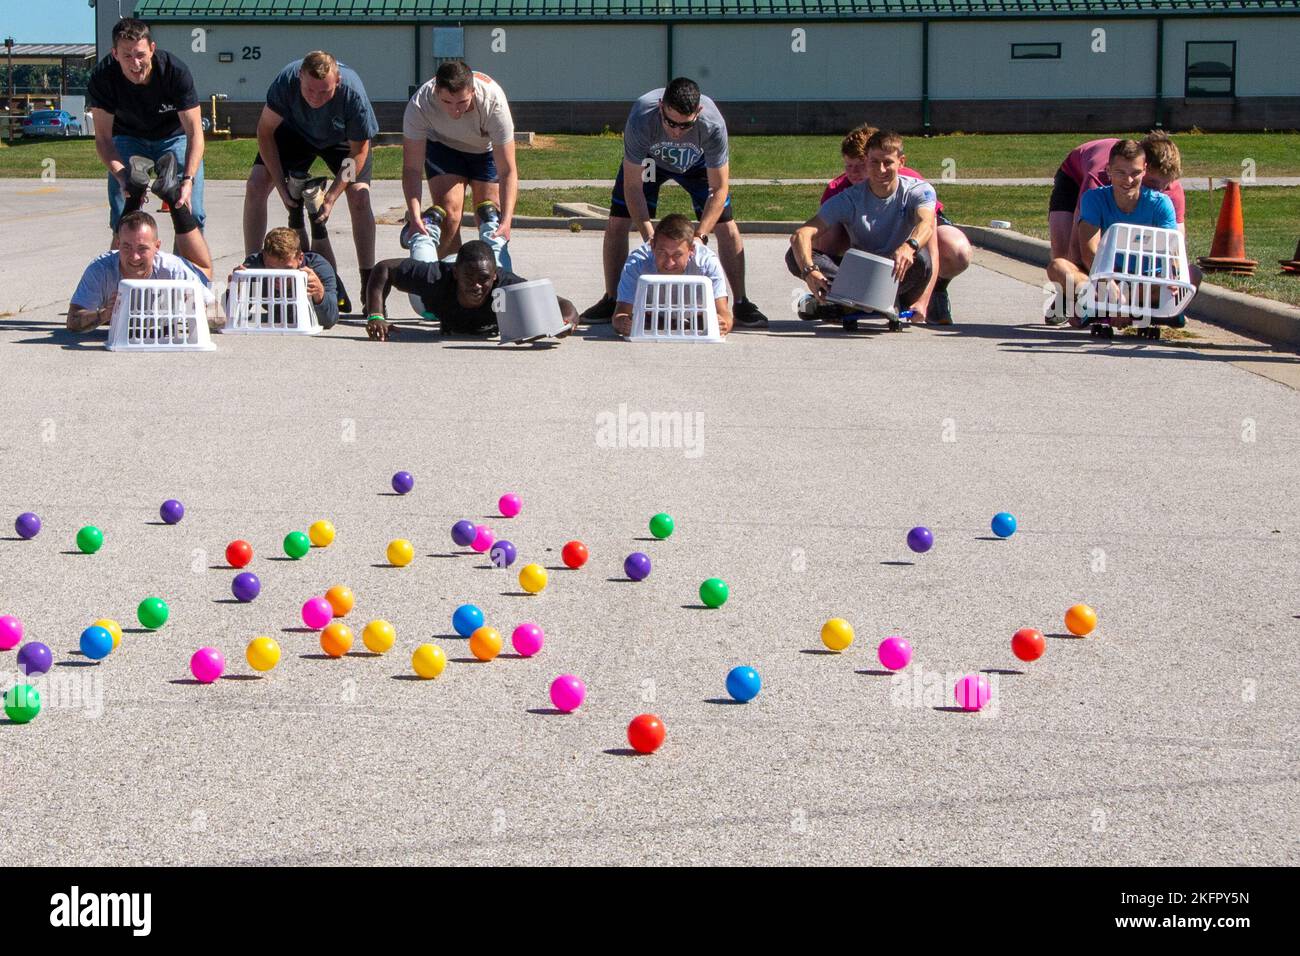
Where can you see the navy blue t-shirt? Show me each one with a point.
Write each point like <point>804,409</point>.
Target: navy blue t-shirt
<point>148,111</point>
<point>348,116</point>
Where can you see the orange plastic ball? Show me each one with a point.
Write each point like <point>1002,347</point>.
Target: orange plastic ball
<point>485,643</point>
<point>341,599</point>
<point>1080,620</point>
<point>336,639</point>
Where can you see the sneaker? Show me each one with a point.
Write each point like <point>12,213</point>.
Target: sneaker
<point>137,180</point>
<point>433,216</point>
<point>345,303</point>
<point>313,196</point>
<point>601,312</point>
<point>167,179</point>
<point>1054,314</point>
<point>747,316</point>
<point>940,308</point>
<point>487,212</point>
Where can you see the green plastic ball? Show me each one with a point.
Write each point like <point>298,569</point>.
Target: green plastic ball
<point>152,613</point>
<point>90,539</point>
<point>714,592</point>
<point>22,703</point>
<point>296,544</point>
<point>661,525</point>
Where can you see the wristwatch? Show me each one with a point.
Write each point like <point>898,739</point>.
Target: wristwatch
<point>913,243</point>
<point>807,271</point>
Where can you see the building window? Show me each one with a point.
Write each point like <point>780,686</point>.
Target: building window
<point>1211,69</point>
<point>1035,51</point>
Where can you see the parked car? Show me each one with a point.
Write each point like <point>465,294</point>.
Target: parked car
<point>51,123</point>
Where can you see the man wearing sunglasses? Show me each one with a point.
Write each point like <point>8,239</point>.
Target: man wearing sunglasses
<point>674,133</point>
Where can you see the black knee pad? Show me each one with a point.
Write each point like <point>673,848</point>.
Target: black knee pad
<point>183,220</point>
<point>319,231</point>
<point>296,218</point>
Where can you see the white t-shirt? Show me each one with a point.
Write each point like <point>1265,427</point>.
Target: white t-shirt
<point>486,123</point>
<point>99,282</point>
<point>642,263</point>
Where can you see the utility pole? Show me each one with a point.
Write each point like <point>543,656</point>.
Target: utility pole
<point>9,106</point>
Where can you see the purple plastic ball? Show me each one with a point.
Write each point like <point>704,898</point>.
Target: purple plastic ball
<point>171,511</point>
<point>463,532</point>
<point>246,586</point>
<point>503,554</point>
<point>28,525</point>
<point>34,658</point>
<point>403,482</point>
<point>920,540</point>
<point>637,566</point>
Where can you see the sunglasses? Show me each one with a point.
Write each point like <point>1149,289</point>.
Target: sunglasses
<point>673,124</point>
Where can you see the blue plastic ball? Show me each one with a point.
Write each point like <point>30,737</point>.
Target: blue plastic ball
<point>467,619</point>
<point>171,511</point>
<point>462,532</point>
<point>96,642</point>
<point>28,526</point>
<point>920,540</point>
<point>743,683</point>
<point>1004,525</point>
<point>503,554</point>
<point>403,482</point>
<point>637,566</point>
<point>246,586</point>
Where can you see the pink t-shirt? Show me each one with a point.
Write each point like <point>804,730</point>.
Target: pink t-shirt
<point>841,183</point>
<point>1086,165</point>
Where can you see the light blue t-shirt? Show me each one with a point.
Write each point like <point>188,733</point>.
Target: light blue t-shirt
<point>1153,209</point>
<point>348,116</point>
<point>642,263</point>
<point>99,282</point>
<point>876,225</point>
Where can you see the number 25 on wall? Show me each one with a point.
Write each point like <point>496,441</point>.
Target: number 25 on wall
<point>252,53</point>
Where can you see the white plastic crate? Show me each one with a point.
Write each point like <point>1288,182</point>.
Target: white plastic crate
<point>269,300</point>
<point>160,315</point>
<point>675,309</point>
<point>1139,273</point>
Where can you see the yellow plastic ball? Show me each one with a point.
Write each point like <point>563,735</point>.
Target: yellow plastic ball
<point>428,661</point>
<point>400,553</point>
<point>341,599</point>
<point>113,628</point>
<point>321,534</point>
<point>336,639</point>
<point>837,634</point>
<point>263,653</point>
<point>379,636</point>
<point>1080,620</point>
<point>532,578</point>
<point>485,643</point>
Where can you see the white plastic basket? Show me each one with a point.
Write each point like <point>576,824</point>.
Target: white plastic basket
<point>1140,273</point>
<point>675,309</point>
<point>160,315</point>
<point>269,300</point>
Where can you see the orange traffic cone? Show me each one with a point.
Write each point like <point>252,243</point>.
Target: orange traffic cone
<point>1292,267</point>
<point>1228,251</point>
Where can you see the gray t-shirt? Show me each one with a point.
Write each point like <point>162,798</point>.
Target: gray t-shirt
<point>876,225</point>
<point>99,282</point>
<point>348,116</point>
<point>644,136</point>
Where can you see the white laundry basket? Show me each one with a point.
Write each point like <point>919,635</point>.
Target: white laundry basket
<point>1139,273</point>
<point>270,300</point>
<point>160,315</point>
<point>675,309</point>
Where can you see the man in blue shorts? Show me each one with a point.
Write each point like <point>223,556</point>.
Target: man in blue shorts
<point>674,133</point>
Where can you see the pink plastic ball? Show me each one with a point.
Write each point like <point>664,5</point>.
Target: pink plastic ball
<point>11,632</point>
<point>207,664</point>
<point>527,638</point>
<point>317,612</point>
<point>972,692</point>
<point>894,653</point>
<point>483,538</point>
<point>567,693</point>
<point>510,505</point>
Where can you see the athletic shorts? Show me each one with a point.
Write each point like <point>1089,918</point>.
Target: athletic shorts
<point>443,160</point>
<point>297,155</point>
<point>1065,193</point>
<point>695,181</point>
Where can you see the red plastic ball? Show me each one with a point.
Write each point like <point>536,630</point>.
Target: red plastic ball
<point>645,733</point>
<point>1028,644</point>
<point>239,553</point>
<point>574,554</point>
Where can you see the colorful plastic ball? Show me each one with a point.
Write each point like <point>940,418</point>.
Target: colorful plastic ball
<point>462,532</point>
<point>743,683</point>
<point>22,703</point>
<point>1028,644</point>
<point>661,525</point>
<point>894,653</point>
<point>920,540</point>
<point>27,525</point>
<point>637,566</point>
<point>296,544</point>
<point>532,578</point>
<point>466,619</point>
<point>172,511</point>
<point>11,632</point>
<point>113,628</point>
<point>316,613</point>
<point>645,733</point>
<point>428,661</point>
<point>336,639</point>
<point>714,592</point>
<point>403,482</point>
<point>379,636</point>
<point>527,639</point>
<point>152,613</point>
<point>485,643</point>
<point>1080,620</point>
<point>567,693</point>
<point>1004,524</point>
<point>483,538</point>
<point>503,554</point>
<point>400,553</point>
<point>972,692</point>
<point>574,554</point>
<point>263,653</point>
<point>238,554</point>
<point>206,665</point>
<point>34,658</point>
<point>245,587</point>
<point>321,533</point>
<point>837,634</point>
<point>341,599</point>
<point>96,643</point>
<point>89,539</point>
<point>510,505</point>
